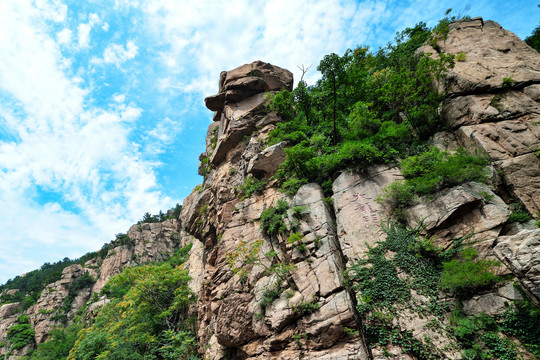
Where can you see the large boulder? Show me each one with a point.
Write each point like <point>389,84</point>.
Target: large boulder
<point>492,54</point>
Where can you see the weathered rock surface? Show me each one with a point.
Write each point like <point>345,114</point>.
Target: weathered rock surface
<point>494,101</point>
<point>267,161</point>
<point>148,242</point>
<point>499,122</point>
<point>239,105</point>
<point>492,54</point>
<point>358,215</point>
<point>493,303</point>
<point>521,253</point>
<point>468,209</point>
<point>51,301</point>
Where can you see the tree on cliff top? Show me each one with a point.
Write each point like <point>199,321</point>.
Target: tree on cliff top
<point>533,40</point>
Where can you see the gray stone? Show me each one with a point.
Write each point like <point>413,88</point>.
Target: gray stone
<point>521,254</point>
<point>267,161</point>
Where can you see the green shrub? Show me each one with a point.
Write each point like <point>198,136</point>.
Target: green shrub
<point>500,348</point>
<point>269,296</point>
<point>252,186</point>
<point>296,240</point>
<point>522,320</point>
<point>21,333</point>
<point>272,219</point>
<point>59,343</point>
<point>466,274</point>
<point>507,81</point>
<point>432,171</point>
<point>519,214</point>
<point>306,308</point>
<point>367,108</point>
<point>461,56</point>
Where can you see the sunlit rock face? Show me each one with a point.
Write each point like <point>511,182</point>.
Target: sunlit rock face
<point>493,101</point>
<point>484,113</point>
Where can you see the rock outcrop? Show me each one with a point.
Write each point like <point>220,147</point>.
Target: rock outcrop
<point>62,300</point>
<point>493,102</point>
<point>492,106</point>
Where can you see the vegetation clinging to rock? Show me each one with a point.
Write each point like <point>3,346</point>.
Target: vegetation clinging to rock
<point>367,108</point>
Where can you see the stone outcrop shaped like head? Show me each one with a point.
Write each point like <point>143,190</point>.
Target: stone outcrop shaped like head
<point>239,105</point>
<point>248,80</point>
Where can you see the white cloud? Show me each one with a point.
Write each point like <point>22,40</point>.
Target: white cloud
<point>84,31</point>
<point>119,98</point>
<point>53,10</point>
<point>84,35</point>
<point>117,54</point>
<point>207,37</point>
<point>64,37</point>
<point>71,177</point>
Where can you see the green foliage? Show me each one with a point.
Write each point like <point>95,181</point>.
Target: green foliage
<point>461,56</point>
<point>21,333</point>
<point>522,320</point>
<point>282,103</point>
<point>252,186</point>
<point>296,240</point>
<point>245,255</point>
<point>426,269</point>
<point>466,274</point>
<point>269,296</point>
<point>376,278</point>
<point>519,214</point>
<point>500,348</point>
<point>203,210</point>
<point>298,211</point>
<point>533,40</point>
<point>383,335</point>
<point>479,336</point>
<point>205,168</point>
<point>59,343</point>
<point>495,102</point>
<point>367,108</point>
<point>148,317</point>
<point>173,213</point>
<point>431,171</point>
<point>272,219</point>
<point>31,285</point>
<point>306,308</point>
<point>507,81</point>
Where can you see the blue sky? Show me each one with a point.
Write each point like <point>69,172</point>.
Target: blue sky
<point>101,102</point>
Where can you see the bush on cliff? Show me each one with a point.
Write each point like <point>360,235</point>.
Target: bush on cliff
<point>429,172</point>
<point>367,108</point>
<point>148,317</point>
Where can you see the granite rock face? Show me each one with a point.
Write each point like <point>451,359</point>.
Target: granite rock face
<point>148,242</point>
<point>239,105</point>
<point>230,314</point>
<point>494,102</point>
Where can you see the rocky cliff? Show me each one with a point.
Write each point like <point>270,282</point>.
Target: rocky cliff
<point>272,272</point>
<point>492,105</point>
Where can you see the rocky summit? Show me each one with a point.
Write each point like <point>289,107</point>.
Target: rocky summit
<point>283,277</point>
